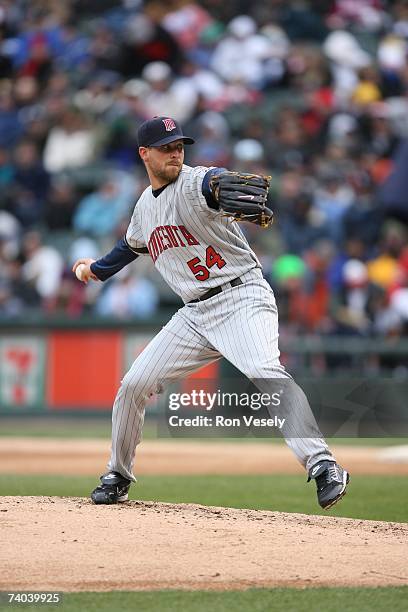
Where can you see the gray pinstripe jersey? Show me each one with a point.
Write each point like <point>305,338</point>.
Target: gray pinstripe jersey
<point>193,247</point>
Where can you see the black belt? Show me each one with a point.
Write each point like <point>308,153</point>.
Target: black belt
<point>234,283</point>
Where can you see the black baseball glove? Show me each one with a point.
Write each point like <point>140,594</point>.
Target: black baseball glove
<point>242,196</point>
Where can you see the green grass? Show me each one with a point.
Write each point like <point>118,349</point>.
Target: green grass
<point>59,426</point>
<point>64,427</point>
<point>252,600</point>
<point>56,427</point>
<point>368,497</point>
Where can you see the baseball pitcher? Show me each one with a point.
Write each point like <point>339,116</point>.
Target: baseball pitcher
<point>186,221</point>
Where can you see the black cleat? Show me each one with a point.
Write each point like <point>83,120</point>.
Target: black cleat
<point>113,489</point>
<point>331,481</point>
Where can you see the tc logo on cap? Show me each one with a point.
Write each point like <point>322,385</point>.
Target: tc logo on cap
<point>160,131</point>
<point>169,124</point>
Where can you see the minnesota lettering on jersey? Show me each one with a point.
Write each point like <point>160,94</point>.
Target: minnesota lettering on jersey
<point>166,237</point>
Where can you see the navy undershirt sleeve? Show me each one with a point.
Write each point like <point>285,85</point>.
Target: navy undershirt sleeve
<point>120,256</point>
<point>205,189</point>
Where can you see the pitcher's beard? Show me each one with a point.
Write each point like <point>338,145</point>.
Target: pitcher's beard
<point>169,174</point>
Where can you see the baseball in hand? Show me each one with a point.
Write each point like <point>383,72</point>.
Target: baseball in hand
<point>79,271</point>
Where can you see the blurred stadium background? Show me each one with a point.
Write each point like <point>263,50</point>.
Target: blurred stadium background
<point>313,93</point>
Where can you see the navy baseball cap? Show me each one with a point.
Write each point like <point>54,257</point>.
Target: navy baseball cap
<point>160,131</point>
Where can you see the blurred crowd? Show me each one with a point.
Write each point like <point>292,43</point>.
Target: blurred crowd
<point>313,93</point>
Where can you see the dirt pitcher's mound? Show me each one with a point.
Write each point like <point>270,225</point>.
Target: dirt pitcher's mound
<point>68,544</point>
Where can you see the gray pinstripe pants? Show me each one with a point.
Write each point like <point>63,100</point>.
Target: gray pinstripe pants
<point>241,324</point>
